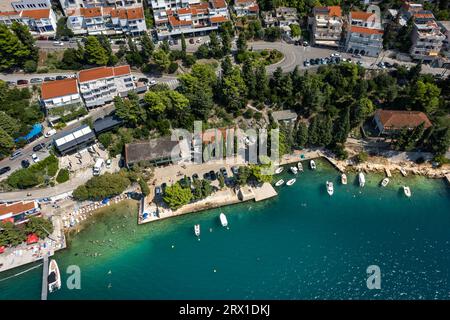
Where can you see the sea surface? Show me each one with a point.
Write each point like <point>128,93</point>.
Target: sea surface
<point>302,244</point>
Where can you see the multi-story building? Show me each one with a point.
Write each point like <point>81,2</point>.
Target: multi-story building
<point>281,17</point>
<point>326,25</point>
<point>190,17</point>
<point>364,34</point>
<point>18,212</point>
<point>445,28</point>
<point>426,37</point>
<point>100,85</point>
<point>40,21</point>
<point>246,8</point>
<point>60,93</point>
<point>107,20</point>
<point>76,4</point>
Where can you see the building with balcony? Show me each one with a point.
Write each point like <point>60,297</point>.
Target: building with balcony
<point>77,4</point>
<point>445,28</point>
<point>74,140</point>
<point>99,86</point>
<point>280,17</point>
<point>391,121</point>
<point>426,37</point>
<point>326,25</point>
<point>40,21</point>
<point>246,8</point>
<point>18,212</point>
<point>60,93</point>
<point>364,34</point>
<point>189,17</point>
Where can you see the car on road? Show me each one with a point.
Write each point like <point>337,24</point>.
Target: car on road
<point>163,187</point>
<point>312,61</point>
<point>175,41</point>
<point>38,147</point>
<point>158,191</point>
<point>58,43</point>
<point>50,133</point>
<point>306,63</point>
<point>61,77</point>
<point>357,55</point>
<point>25,163</point>
<point>11,83</point>
<point>305,44</point>
<point>35,158</point>
<point>4,170</point>
<point>213,175</point>
<point>144,80</point>
<point>191,41</point>
<point>199,40</point>
<point>207,176</point>
<point>223,171</point>
<point>152,82</point>
<point>388,65</point>
<point>336,54</point>
<point>49,79</point>
<point>108,163</point>
<point>22,82</point>
<point>15,154</point>
<point>235,170</point>
<point>36,80</point>
<point>194,177</point>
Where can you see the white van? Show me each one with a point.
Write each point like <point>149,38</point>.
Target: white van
<point>98,166</point>
<point>50,133</point>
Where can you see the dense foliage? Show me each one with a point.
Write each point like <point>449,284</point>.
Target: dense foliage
<point>103,186</point>
<point>36,174</point>
<point>13,235</point>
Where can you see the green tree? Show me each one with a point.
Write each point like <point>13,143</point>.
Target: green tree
<point>295,30</point>
<point>11,234</point>
<point>23,33</point>
<point>62,30</point>
<point>12,51</point>
<point>147,47</point>
<point>234,91</point>
<point>6,142</point>
<point>30,66</point>
<point>301,136</point>
<point>425,96</point>
<point>175,196</point>
<point>94,52</point>
<point>103,186</point>
<point>9,124</point>
<point>144,187</point>
<point>39,226</point>
<point>161,59</point>
<point>183,45</point>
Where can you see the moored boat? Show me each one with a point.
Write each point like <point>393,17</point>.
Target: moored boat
<point>279,170</point>
<point>362,179</point>
<point>343,178</point>
<point>312,164</point>
<point>407,191</point>
<point>294,170</point>
<point>385,182</point>
<point>330,188</point>
<point>403,172</point>
<point>197,230</point>
<point>291,182</point>
<point>54,277</point>
<point>223,220</point>
<point>300,166</point>
<point>279,182</point>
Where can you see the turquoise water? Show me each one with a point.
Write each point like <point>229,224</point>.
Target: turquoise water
<point>302,244</point>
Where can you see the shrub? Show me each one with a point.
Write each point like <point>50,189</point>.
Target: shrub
<point>100,187</point>
<point>248,114</point>
<point>63,176</point>
<point>30,66</point>
<point>173,67</point>
<point>144,187</point>
<point>189,60</point>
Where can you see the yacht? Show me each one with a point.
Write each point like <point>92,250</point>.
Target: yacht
<point>279,182</point>
<point>312,164</point>
<point>362,179</point>
<point>197,230</point>
<point>223,220</point>
<point>407,191</point>
<point>343,178</point>
<point>300,166</point>
<point>279,170</point>
<point>330,188</point>
<point>291,182</point>
<point>54,277</point>
<point>385,182</point>
<point>294,170</point>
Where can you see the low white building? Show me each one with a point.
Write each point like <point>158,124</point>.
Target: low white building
<point>364,34</point>
<point>76,4</point>
<point>60,93</point>
<point>40,21</point>
<point>246,8</point>
<point>99,86</point>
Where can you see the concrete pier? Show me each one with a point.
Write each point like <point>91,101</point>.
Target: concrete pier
<point>44,278</point>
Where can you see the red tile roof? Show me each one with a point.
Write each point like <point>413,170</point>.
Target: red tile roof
<point>217,4</point>
<point>17,207</point>
<point>33,14</point>
<point>361,15</point>
<point>59,88</point>
<point>218,19</point>
<point>102,72</point>
<point>398,119</point>
<point>333,11</point>
<point>364,30</point>
<point>91,12</point>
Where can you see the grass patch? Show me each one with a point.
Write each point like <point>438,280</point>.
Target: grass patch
<point>36,174</point>
<point>63,176</point>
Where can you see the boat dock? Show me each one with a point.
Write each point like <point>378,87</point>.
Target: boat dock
<point>44,278</point>
<point>388,172</point>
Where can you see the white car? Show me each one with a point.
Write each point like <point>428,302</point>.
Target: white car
<point>152,82</point>
<point>58,43</point>
<point>50,133</point>
<point>336,54</point>
<point>35,158</point>
<point>108,163</point>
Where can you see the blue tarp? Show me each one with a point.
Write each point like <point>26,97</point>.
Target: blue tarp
<point>35,131</point>
<point>105,201</point>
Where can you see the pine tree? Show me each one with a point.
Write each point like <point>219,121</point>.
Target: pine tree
<point>94,52</point>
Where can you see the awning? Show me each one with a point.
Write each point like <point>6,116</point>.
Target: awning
<point>32,238</point>
<point>2,249</point>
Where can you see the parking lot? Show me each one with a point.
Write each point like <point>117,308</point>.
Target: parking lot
<point>84,159</point>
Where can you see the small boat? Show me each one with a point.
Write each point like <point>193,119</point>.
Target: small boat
<point>279,182</point>
<point>330,188</point>
<point>300,166</point>
<point>54,277</point>
<point>407,191</point>
<point>223,220</point>
<point>291,182</point>
<point>312,164</point>
<point>362,179</point>
<point>403,172</point>
<point>343,178</point>
<point>197,230</point>
<point>385,182</point>
<point>294,170</point>
<point>279,170</point>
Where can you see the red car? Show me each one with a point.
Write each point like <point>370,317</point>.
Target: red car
<point>21,82</point>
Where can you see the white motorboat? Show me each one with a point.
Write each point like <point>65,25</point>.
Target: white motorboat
<point>294,170</point>
<point>300,166</point>
<point>330,188</point>
<point>291,182</point>
<point>312,164</point>
<point>54,277</point>
<point>385,182</point>
<point>279,170</point>
<point>343,178</point>
<point>223,220</point>
<point>403,172</point>
<point>362,179</point>
<point>279,182</point>
<point>197,230</point>
<point>407,191</point>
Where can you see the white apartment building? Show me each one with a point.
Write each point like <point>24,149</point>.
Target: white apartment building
<point>60,93</point>
<point>326,25</point>
<point>445,27</point>
<point>364,34</point>
<point>76,4</point>
<point>19,5</point>
<point>427,38</point>
<point>40,21</point>
<point>100,85</point>
<point>176,17</point>
<point>107,20</point>
<point>246,8</point>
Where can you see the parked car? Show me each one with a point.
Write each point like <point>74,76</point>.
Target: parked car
<point>223,171</point>
<point>305,44</point>
<point>50,133</point>
<point>191,41</point>
<point>213,175</point>
<point>4,170</point>
<point>38,147</point>
<point>60,77</point>
<point>58,43</point>
<point>163,187</point>
<point>25,163</point>
<point>35,158</point>
<point>15,154</point>
<point>108,163</point>
<point>357,55</point>
<point>144,80</point>
<point>36,80</point>
<point>158,191</point>
<point>235,170</point>
<point>194,177</point>
<point>312,61</point>
<point>11,83</point>
<point>175,41</point>
<point>49,79</point>
<point>152,82</point>
<point>306,63</point>
<point>22,82</point>
<point>207,176</point>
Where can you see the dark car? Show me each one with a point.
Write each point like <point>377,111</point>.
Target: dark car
<point>38,147</point>
<point>49,79</point>
<point>163,187</point>
<point>312,62</point>
<point>235,170</point>
<point>388,65</point>
<point>158,191</point>
<point>213,175</point>
<point>4,170</point>
<point>191,41</point>
<point>36,80</point>
<point>61,77</point>
<point>21,82</point>
<point>25,163</point>
<point>185,182</point>
<point>195,176</point>
<point>144,80</point>
<point>223,171</point>
<point>317,60</point>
